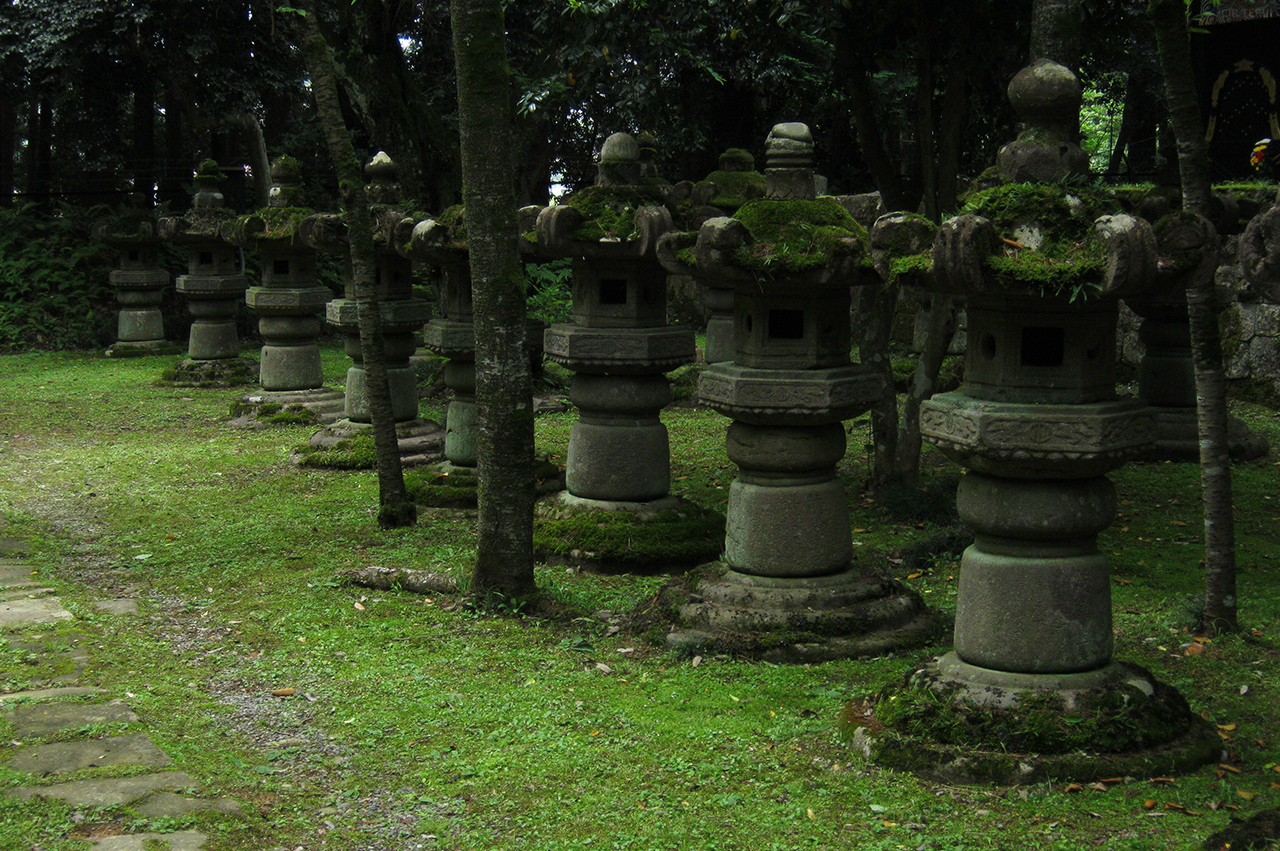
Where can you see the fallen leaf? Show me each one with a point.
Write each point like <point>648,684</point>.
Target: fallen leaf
<point>915,575</point>
<point>1227,727</point>
<point>1149,804</point>
<point>283,692</point>
<point>601,666</point>
<point>697,660</point>
<point>1193,649</point>
<point>1073,787</point>
<point>1100,787</point>
<point>359,607</point>
<point>1230,768</point>
<point>1246,794</point>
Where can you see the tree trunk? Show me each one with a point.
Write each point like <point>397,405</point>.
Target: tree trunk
<point>394,507</point>
<point>144,140</point>
<point>942,325</point>
<point>504,388</point>
<point>857,84</point>
<point>1057,32</point>
<point>1169,17</point>
<point>177,166</point>
<point>256,144</point>
<point>884,411</point>
<point>8,147</point>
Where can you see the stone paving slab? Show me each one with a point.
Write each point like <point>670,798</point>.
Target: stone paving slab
<point>42,610</point>
<point>172,805</point>
<point>12,546</point>
<point>183,840</point>
<point>117,606</point>
<point>43,719</point>
<point>27,592</point>
<point>41,694</point>
<point>108,791</point>
<point>63,757</point>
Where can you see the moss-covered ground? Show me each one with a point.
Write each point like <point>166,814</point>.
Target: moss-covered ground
<point>415,723</point>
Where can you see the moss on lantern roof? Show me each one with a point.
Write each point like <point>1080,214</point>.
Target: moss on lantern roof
<point>609,212</point>
<point>797,235</point>
<point>279,222</point>
<point>735,188</point>
<point>455,219</point>
<point>1048,247</point>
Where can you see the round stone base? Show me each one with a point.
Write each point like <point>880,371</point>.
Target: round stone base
<point>325,404</point>
<point>667,535</point>
<point>222,372</point>
<point>450,485</point>
<point>141,348</point>
<point>854,613</point>
<point>349,445</point>
<point>1178,438</point>
<point>953,722</point>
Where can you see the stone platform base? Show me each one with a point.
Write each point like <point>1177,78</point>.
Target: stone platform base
<point>141,348</point>
<point>287,407</point>
<point>346,444</point>
<point>667,535</point>
<point>953,722</point>
<point>850,614</point>
<point>448,485</point>
<point>1178,438</point>
<point>222,372</point>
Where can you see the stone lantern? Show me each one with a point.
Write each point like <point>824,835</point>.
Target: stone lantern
<point>402,314</point>
<point>288,301</point>
<point>788,589</point>
<point>139,283</point>
<point>618,346</point>
<point>723,191</point>
<point>1038,425</point>
<point>214,286</point>
<point>452,336</point>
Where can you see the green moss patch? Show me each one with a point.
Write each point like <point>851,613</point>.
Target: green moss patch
<point>1116,719</point>
<point>358,453</point>
<point>609,212</point>
<point>617,541</point>
<point>735,188</point>
<point>798,235</point>
<point>278,222</point>
<point>1069,260</point>
<point>435,489</point>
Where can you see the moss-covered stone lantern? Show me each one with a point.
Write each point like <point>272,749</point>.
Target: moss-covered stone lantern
<point>723,191</point>
<point>214,286</point>
<point>402,314</point>
<point>619,347</point>
<point>788,588</point>
<point>288,300</point>
<point>1031,682</point>
<point>139,283</point>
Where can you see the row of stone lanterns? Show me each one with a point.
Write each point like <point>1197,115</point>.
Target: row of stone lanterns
<point>1037,423</point>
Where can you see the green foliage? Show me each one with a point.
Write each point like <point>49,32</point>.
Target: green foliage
<point>550,289</point>
<point>54,278</point>
<point>798,235</point>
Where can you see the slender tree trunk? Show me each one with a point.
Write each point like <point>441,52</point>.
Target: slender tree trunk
<point>925,86</point>
<point>504,389</point>
<point>1220,612</point>
<point>884,411</point>
<point>942,325</point>
<point>1057,31</point>
<point>394,508</point>
<point>256,144</point>
<point>8,148</point>
<point>144,140</point>
<point>177,167</point>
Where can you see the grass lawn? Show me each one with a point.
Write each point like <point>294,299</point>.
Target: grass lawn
<point>414,723</point>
